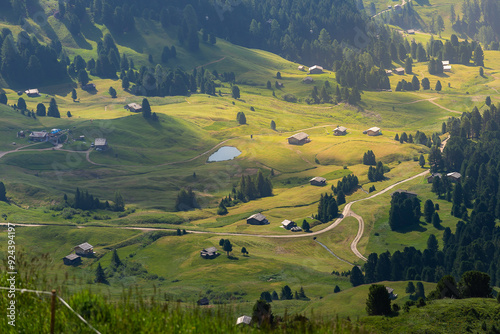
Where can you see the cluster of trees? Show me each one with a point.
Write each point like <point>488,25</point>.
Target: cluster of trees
<point>419,138</point>
<point>327,208</point>
<point>406,18</point>
<point>326,95</point>
<point>454,51</point>
<point>404,212</point>
<point>486,30</point>
<point>186,200</point>
<point>369,158</point>
<point>404,85</point>
<point>473,246</point>
<point>376,173</point>
<point>286,294</point>
<point>345,186</point>
<point>248,189</point>
<point>21,60</point>
<point>357,74</point>
<point>85,201</point>
<point>227,246</point>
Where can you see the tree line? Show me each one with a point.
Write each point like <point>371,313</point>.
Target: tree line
<point>83,200</point>
<point>248,189</point>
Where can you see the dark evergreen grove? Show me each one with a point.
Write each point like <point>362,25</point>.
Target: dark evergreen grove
<point>473,150</point>
<point>248,189</point>
<point>327,208</point>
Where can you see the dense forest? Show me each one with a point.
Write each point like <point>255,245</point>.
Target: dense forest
<point>473,149</point>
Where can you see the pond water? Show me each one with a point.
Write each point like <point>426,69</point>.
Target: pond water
<point>224,153</point>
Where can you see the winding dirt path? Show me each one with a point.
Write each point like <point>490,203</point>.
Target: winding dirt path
<point>431,100</point>
<point>212,62</point>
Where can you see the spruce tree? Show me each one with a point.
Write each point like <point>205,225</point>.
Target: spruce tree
<point>378,301</point>
<point>146,109</point>
<point>3,98</point>
<point>3,192</point>
<point>100,276</point>
<point>53,110</point>
<point>115,260</point>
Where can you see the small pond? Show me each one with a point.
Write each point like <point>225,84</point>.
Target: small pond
<point>224,153</point>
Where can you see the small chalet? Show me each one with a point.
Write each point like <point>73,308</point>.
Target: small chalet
<point>308,80</point>
<point>84,249</point>
<point>340,131</point>
<point>257,219</point>
<point>446,68</point>
<point>101,143</point>
<point>21,134</point>
<point>433,176</point>
<point>374,131</point>
<point>288,224</point>
<point>392,296</point>
<point>72,260</point>
<point>388,72</point>
<point>411,32</point>
<point>398,8</point>
<point>454,176</point>
<point>300,68</point>
<point>89,87</point>
<point>209,253</point>
<point>399,71</point>
<point>279,85</point>
<point>408,194</point>
<point>316,69</point>
<point>32,92</point>
<point>445,62</point>
<point>300,138</point>
<point>203,301</point>
<point>296,229</point>
<point>244,319</point>
<point>318,181</point>
<point>39,136</point>
<point>133,107</point>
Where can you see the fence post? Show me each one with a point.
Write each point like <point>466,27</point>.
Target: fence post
<point>53,312</point>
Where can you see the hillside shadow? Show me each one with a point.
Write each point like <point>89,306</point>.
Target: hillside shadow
<point>411,228</point>
<point>90,31</point>
<point>81,42</point>
<point>131,39</point>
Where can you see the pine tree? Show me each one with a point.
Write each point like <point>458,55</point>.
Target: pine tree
<point>53,110</point>
<point>3,192</point>
<point>244,251</point>
<point>235,92</point>
<point>146,109</point>
<point>3,98</point>
<point>40,110</point>
<point>112,92</point>
<point>241,118</point>
<point>73,94</point>
<point>119,202</point>
<point>356,276</point>
<point>115,260</point>
<point>436,221</point>
<point>378,301</point>
<point>336,289</point>
<point>100,276</point>
<point>428,211</point>
<point>21,104</point>
<point>273,125</point>
<point>438,86</point>
<point>305,225</point>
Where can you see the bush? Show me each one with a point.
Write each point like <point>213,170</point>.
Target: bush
<point>290,98</point>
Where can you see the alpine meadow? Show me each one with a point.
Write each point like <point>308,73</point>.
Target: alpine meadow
<point>239,166</point>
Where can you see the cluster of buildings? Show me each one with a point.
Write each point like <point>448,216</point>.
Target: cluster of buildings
<point>302,138</point>
<point>82,250</point>
<point>52,136</point>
